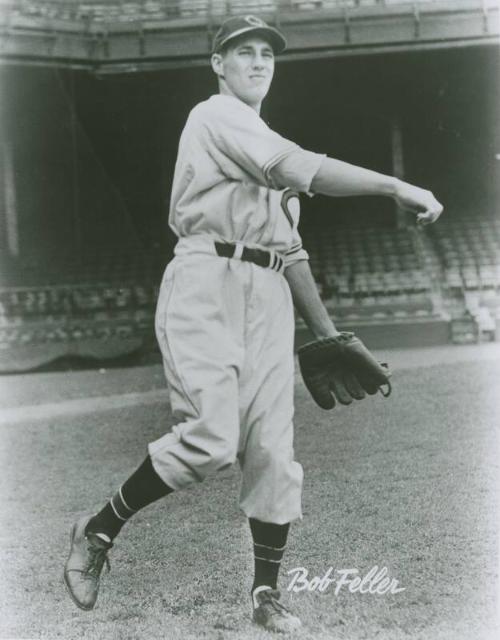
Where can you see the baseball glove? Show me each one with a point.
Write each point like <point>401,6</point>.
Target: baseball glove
<point>341,369</point>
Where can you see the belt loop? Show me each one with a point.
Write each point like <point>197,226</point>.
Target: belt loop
<point>238,250</point>
<point>272,259</point>
<point>281,265</point>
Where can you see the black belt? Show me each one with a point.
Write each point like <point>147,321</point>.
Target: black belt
<point>260,257</point>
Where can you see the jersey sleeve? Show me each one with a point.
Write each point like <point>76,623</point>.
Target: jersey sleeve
<point>236,135</point>
<point>297,170</point>
<point>296,254</point>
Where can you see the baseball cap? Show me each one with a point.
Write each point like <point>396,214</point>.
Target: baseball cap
<point>238,25</point>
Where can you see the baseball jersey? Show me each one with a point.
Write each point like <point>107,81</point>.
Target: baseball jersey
<point>223,182</point>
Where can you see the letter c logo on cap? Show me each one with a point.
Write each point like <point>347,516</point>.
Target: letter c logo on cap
<point>255,22</point>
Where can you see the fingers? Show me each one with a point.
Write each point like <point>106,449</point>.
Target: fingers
<point>432,209</point>
<point>321,393</point>
<point>431,215</point>
<point>338,387</point>
<point>421,202</point>
<point>353,386</point>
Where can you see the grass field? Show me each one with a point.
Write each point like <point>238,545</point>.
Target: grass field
<point>409,483</point>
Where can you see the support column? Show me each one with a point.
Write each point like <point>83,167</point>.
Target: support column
<point>398,169</point>
<point>10,202</point>
<point>77,223</point>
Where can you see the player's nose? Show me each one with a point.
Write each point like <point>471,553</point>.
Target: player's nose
<point>258,61</point>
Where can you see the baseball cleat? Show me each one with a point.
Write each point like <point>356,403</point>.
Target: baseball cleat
<point>271,614</point>
<point>82,570</point>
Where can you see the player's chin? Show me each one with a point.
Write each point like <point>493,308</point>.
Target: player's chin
<point>258,92</point>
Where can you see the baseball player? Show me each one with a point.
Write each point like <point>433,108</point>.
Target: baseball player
<point>224,319</point>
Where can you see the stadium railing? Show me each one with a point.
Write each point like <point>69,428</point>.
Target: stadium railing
<point>160,10</point>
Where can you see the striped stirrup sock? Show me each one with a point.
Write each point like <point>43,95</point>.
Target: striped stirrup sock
<point>269,544</point>
<point>108,522</point>
<point>142,488</point>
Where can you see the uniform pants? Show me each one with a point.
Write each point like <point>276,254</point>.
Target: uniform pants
<point>225,328</point>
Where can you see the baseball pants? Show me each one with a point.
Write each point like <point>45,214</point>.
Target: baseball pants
<point>225,328</point>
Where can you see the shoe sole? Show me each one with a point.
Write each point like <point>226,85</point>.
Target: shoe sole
<point>65,579</point>
<point>281,632</point>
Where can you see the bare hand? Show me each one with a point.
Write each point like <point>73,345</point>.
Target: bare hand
<point>419,201</point>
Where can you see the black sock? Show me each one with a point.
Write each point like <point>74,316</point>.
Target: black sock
<point>142,488</point>
<point>269,542</point>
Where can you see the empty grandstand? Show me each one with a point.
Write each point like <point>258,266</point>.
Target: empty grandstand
<point>95,95</point>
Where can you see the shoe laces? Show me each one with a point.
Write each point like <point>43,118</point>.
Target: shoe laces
<point>98,556</point>
<point>271,597</point>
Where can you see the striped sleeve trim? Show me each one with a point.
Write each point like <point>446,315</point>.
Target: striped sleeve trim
<point>296,256</point>
<point>296,247</point>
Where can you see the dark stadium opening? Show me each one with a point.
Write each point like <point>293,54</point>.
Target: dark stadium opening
<point>93,157</point>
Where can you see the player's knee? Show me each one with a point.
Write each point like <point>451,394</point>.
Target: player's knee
<point>269,458</point>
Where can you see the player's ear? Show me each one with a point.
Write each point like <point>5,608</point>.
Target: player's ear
<point>216,61</point>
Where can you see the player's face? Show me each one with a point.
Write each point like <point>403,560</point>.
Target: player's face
<point>247,69</point>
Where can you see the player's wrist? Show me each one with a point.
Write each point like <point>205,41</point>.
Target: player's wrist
<point>330,332</point>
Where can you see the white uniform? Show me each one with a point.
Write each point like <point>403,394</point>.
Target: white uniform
<point>225,326</point>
